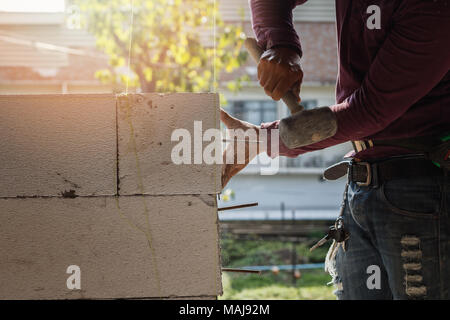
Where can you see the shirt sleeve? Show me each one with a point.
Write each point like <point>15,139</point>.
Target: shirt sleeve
<point>413,59</point>
<point>273,25</point>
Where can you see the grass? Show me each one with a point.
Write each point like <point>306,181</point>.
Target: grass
<point>312,284</point>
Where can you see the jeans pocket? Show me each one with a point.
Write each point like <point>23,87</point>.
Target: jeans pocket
<point>414,197</point>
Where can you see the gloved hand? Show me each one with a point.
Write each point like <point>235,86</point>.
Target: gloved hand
<point>279,71</point>
<point>233,167</point>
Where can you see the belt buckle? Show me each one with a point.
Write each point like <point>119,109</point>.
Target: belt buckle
<point>369,175</point>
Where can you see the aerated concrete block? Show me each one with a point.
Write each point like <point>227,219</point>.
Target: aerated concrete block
<point>125,247</point>
<point>146,123</point>
<point>55,144</point>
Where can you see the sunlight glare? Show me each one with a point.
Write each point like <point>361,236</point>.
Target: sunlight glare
<point>32,5</point>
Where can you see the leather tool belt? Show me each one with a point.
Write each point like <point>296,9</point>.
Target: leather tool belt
<point>376,173</point>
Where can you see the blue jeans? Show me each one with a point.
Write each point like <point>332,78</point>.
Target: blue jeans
<point>399,245</point>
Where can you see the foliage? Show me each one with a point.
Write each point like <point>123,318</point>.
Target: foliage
<point>228,194</point>
<point>167,52</point>
<point>239,253</point>
<point>311,286</point>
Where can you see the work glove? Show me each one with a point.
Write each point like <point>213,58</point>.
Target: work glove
<point>279,71</point>
<point>233,167</point>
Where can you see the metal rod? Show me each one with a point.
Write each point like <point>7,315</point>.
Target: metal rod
<point>254,204</point>
<point>287,267</point>
<point>240,270</point>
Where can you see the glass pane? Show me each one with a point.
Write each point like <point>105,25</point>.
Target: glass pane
<point>238,110</point>
<point>254,116</point>
<point>269,105</point>
<point>254,111</point>
<point>269,111</point>
<point>309,104</point>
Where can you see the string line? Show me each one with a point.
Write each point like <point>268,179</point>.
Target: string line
<point>129,45</point>
<point>215,47</point>
<point>147,229</point>
<point>216,248</point>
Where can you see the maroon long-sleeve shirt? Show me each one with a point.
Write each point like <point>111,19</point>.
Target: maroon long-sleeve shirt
<point>393,82</point>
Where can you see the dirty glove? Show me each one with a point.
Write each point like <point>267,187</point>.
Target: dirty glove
<point>279,71</point>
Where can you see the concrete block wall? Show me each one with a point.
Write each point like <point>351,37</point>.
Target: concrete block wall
<point>53,143</point>
<point>145,126</point>
<point>87,180</point>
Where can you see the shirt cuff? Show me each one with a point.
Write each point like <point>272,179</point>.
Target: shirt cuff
<point>346,128</point>
<point>282,38</point>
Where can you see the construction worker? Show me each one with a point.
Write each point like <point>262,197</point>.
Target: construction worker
<point>393,103</point>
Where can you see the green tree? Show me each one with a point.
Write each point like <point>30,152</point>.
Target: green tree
<point>172,43</point>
